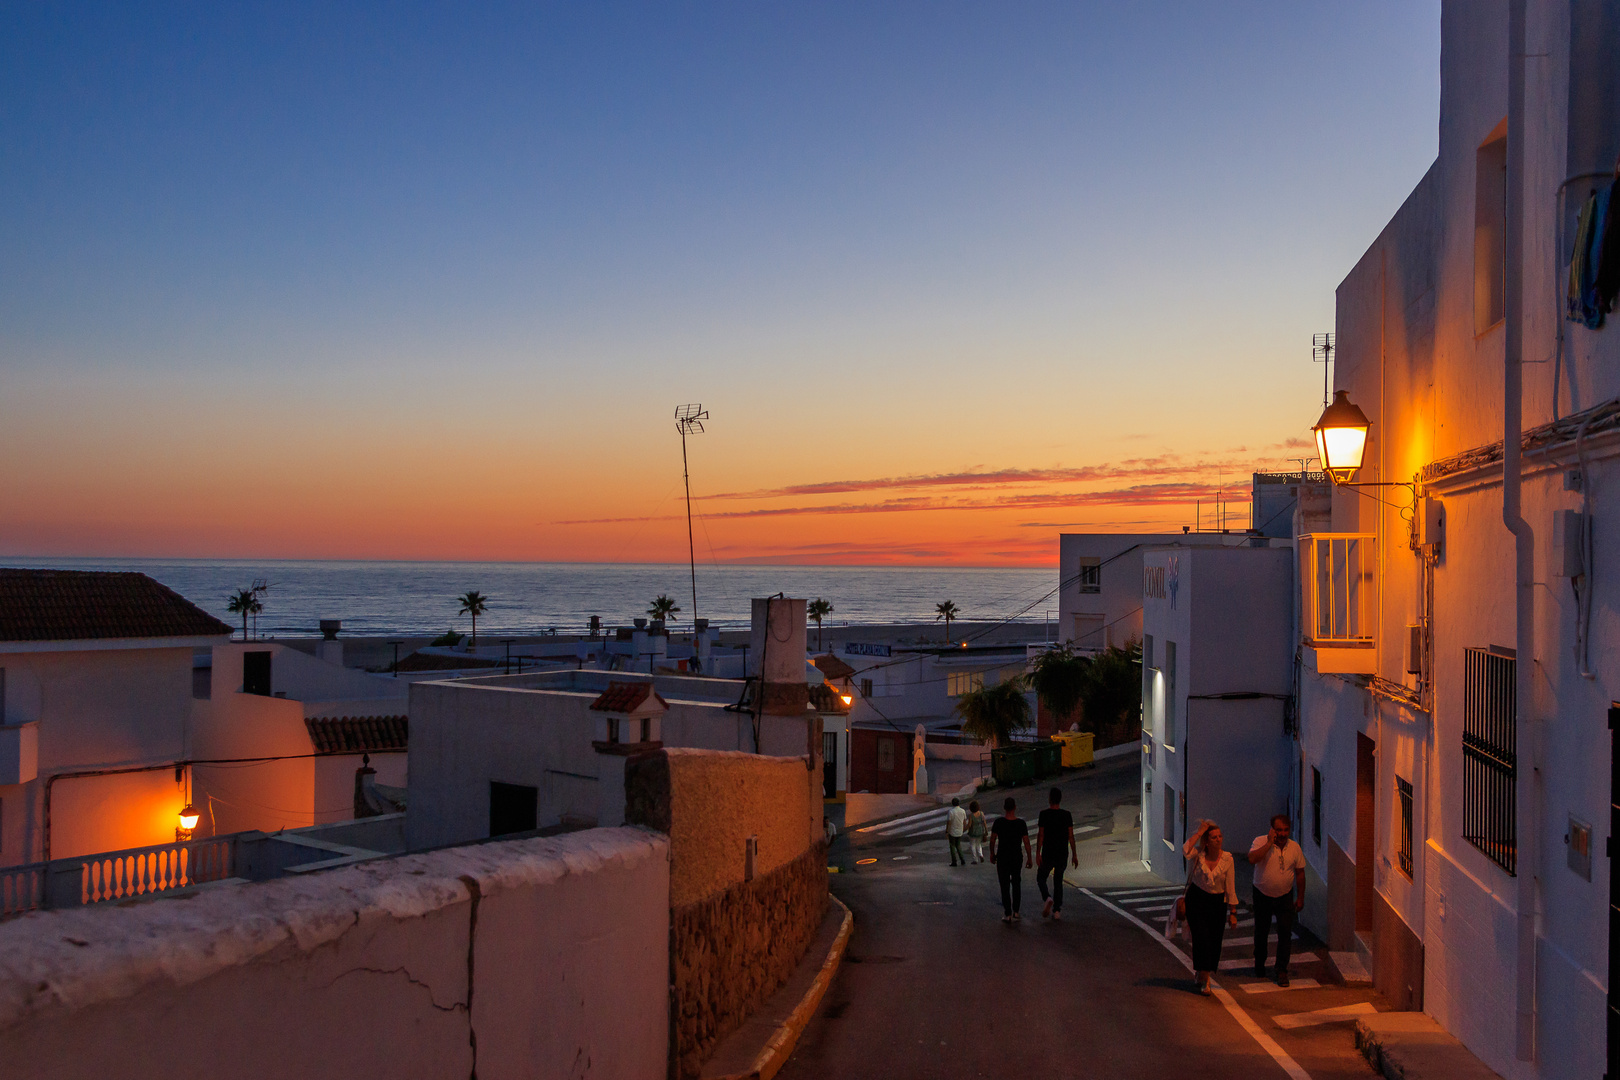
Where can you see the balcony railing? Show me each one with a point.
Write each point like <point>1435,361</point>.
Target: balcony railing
<point>1339,594</point>
<point>116,875</point>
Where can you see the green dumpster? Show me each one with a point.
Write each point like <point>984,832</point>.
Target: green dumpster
<point>1012,766</point>
<point>1048,759</point>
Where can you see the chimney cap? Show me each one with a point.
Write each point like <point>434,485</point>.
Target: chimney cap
<point>641,624</point>
<point>330,628</point>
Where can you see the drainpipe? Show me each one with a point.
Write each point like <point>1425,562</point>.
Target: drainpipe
<point>1523,547</point>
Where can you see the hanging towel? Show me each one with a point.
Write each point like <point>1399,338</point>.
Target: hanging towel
<point>1590,312</point>
<point>1606,281</point>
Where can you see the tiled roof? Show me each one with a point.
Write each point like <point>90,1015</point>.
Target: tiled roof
<point>626,697</point>
<point>357,734</point>
<point>824,698</point>
<point>832,667</point>
<point>81,605</point>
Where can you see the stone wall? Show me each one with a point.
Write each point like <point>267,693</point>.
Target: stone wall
<point>733,940</point>
<point>731,951</point>
<point>513,959</point>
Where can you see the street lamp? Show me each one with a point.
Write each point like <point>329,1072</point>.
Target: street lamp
<point>188,822</point>
<point>1341,438</point>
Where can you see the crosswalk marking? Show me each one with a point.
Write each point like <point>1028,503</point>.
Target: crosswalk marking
<point>1239,963</point>
<point>1273,988</point>
<point>1290,1021</point>
<point>895,823</point>
<point>1138,892</point>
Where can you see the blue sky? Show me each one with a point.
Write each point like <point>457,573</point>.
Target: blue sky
<point>877,240</point>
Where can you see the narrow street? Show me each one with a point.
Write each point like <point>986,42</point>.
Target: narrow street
<point>935,985</point>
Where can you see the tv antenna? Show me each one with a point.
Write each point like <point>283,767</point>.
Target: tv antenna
<point>1322,348</point>
<point>689,421</point>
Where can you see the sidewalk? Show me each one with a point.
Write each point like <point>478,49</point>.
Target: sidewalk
<point>1412,1046</point>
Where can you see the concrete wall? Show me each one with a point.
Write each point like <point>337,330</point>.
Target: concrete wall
<point>519,959</point>
<point>96,709</point>
<point>295,674</point>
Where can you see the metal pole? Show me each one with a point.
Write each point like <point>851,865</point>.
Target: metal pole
<point>691,546</point>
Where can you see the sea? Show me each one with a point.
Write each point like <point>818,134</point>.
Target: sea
<point>384,598</point>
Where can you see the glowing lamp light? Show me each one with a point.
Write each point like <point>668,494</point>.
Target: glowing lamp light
<point>1341,438</point>
<point>847,699</point>
<point>188,817</point>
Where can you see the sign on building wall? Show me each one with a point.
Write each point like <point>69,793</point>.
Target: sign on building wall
<point>861,648</point>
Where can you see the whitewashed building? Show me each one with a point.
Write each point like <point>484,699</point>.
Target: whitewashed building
<point>1461,623</point>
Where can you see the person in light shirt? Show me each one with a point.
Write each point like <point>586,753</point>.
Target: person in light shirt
<point>1279,890</point>
<point>1209,904</point>
<point>955,826</point>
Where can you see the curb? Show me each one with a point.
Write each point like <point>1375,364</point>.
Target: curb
<point>780,1047</point>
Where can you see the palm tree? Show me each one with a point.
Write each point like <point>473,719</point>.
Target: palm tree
<point>662,607</point>
<point>992,714</point>
<point>244,602</point>
<point>1112,696</point>
<point>473,603</point>
<point>818,609</point>
<point>1060,680</point>
<point>947,610</point>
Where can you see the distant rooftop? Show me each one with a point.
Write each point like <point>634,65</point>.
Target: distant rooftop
<point>358,734</point>
<point>87,605</point>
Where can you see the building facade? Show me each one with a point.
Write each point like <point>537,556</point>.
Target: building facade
<point>1459,623</point>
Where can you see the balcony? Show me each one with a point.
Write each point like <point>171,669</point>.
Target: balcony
<point>1339,593</point>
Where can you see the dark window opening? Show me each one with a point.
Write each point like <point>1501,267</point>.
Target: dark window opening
<point>256,673</point>
<point>1490,735</point>
<point>513,808</point>
<point>1316,805</point>
<point>866,688</point>
<point>1403,794</point>
<point>1490,234</point>
<point>1090,575</point>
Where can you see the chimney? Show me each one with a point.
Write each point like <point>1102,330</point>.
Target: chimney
<point>701,642</point>
<point>638,641</point>
<point>330,648</point>
<point>776,654</point>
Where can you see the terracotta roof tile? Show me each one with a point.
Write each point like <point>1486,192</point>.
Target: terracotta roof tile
<point>832,667</point>
<point>824,698</point>
<point>625,697</point>
<point>81,605</point>
<point>357,734</point>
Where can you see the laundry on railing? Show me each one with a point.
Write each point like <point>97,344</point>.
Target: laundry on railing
<point>1594,265</point>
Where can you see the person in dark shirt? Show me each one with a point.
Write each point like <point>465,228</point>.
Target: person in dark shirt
<point>1005,834</point>
<point>1055,832</point>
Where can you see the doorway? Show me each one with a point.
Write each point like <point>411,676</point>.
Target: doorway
<point>829,764</point>
<point>513,808</point>
<point>256,673</point>
<point>1366,820</point>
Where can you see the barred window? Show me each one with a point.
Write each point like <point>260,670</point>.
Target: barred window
<point>866,688</point>
<point>1091,575</point>
<point>1403,796</point>
<point>1490,735</point>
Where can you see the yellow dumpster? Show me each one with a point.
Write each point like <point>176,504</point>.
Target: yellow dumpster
<point>1077,747</point>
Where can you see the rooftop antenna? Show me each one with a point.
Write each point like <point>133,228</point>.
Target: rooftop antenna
<point>1322,347</point>
<point>689,421</point>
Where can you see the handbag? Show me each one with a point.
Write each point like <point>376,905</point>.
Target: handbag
<point>1175,923</point>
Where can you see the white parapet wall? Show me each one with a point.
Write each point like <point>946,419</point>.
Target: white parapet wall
<point>522,958</point>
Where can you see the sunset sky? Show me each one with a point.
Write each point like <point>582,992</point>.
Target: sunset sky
<point>428,281</point>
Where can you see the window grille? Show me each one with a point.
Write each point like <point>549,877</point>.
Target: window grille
<point>1170,693</point>
<point>1090,575</point>
<point>1403,795</point>
<point>1316,805</point>
<point>958,683</point>
<point>1337,575</point>
<point>1490,734</point>
<point>866,688</point>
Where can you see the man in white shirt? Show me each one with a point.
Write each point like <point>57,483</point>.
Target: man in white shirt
<point>1279,890</point>
<point>955,826</point>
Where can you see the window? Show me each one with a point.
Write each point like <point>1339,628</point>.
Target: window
<point>1147,683</point>
<point>866,688</point>
<point>512,808</point>
<point>613,730</point>
<point>1490,231</point>
<point>256,673</point>
<point>1169,829</point>
<point>1090,576</point>
<point>646,729</point>
<point>1403,795</point>
<point>1316,805</point>
<point>958,683</point>
<point>2,695</point>
<point>1490,734</point>
<point>202,674</point>
<point>1170,693</point>
<point>885,749</point>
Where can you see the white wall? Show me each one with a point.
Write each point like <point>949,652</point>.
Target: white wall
<point>514,959</point>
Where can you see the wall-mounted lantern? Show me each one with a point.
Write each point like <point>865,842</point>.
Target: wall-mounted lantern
<point>188,822</point>
<point>1341,438</point>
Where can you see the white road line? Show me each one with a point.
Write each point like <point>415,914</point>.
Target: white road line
<point>894,823</point>
<point>1273,988</point>
<point>1112,895</point>
<point>1247,941</point>
<point>1157,907</point>
<point>1248,962</point>
<point>1086,829</point>
<point>1267,1043</point>
<point>1289,1021</point>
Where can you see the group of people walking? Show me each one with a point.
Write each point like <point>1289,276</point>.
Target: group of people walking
<point>1054,843</point>
<point>1209,903</point>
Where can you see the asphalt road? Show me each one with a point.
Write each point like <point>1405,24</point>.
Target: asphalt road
<point>935,985</point>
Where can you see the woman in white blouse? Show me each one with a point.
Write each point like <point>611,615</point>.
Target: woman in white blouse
<point>1210,902</point>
